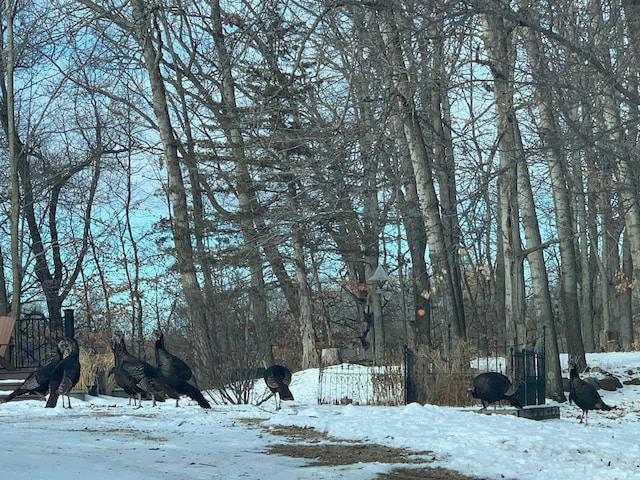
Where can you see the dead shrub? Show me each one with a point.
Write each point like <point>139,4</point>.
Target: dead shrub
<point>443,380</point>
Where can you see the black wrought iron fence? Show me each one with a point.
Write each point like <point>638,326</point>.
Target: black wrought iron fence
<point>35,341</point>
<point>428,376</point>
<point>431,378</point>
<point>529,376</point>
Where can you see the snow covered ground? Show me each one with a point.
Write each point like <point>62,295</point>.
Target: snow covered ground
<point>102,438</point>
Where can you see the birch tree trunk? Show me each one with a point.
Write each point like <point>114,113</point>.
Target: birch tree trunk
<point>498,38</point>
<point>310,357</point>
<point>247,201</point>
<point>445,286</point>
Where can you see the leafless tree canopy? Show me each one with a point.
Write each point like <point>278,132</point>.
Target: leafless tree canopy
<point>236,171</point>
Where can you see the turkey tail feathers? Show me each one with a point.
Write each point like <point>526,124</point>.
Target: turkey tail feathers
<point>194,394</point>
<point>52,401</point>
<point>285,393</point>
<point>14,394</point>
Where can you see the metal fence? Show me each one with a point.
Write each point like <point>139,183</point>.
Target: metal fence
<point>424,377</point>
<point>529,376</point>
<point>353,384</point>
<point>34,341</point>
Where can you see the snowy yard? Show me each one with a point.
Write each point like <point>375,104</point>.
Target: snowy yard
<point>104,438</point>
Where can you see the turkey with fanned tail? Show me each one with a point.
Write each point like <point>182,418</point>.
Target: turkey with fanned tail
<point>176,372</point>
<point>278,379</point>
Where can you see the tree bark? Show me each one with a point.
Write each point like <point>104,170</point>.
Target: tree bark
<point>310,357</point>
<point>15,157</point>
<point>498,38</point>
<point>142,30</point>
<point>448,290</point>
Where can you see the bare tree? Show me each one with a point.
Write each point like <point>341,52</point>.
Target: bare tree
<point>14,159</point>
<point>43,174</point>
<point>445,269</point>
<point>498,35</point>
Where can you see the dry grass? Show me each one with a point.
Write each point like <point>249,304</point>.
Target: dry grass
<point>92,365</point>
<point>444,380</point>
<point>322,450</point>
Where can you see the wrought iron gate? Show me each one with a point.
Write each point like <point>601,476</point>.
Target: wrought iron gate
<point>34,342</point>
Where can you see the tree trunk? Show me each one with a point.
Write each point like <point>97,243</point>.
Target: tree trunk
<point>629,163</point>
<point>618,171</point>
<point>542,304</point>
<point>142,31</point>
<point>201,255</point>
<point>247,201</point>
<point>307,332</point>
<point>584,248</point>
<point>448,290</point>
<point>498,39</point>
<point>444,161</point>
<point>5,307</point>
<point>630,205</point>
<point>417,242</point>
<point>15,156</point>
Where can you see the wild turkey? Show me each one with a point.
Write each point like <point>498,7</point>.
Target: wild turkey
<point>491,387</point>
<point>583,394</point>
<point>122,378</point>
<point>66,373</point>
<point>141,377</point>
<point>278,379</point>
<point>38,382</point>
<point>176,372</point>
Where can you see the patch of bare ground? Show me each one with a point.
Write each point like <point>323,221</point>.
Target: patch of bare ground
<point>323,450</point>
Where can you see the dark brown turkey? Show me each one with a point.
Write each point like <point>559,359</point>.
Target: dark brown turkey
<point>122,378</point>
<point>177,373</point>
<point>583,394</point>
<point>38,382</point>
<point>278,379</point>
<point>491,387</point>
<point>138,375</point>
<point>66,373</point>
